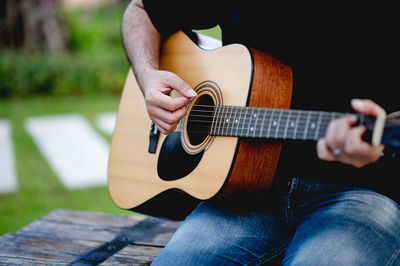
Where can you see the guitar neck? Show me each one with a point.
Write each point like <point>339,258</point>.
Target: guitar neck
<point>272,123</point>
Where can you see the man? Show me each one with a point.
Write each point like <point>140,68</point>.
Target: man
<point>340,205</point>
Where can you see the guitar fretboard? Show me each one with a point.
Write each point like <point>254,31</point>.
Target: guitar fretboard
<point>271,123</point>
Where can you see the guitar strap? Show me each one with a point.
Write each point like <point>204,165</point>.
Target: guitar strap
<point>136,234</point>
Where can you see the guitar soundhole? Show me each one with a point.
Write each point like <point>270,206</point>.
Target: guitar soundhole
<point>197,123</point>
<point>200,119</point>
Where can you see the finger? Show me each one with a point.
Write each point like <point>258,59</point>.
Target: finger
<point>166,102</point>
<point>323,151</point>
<point>358,152</point>
<point>337,131</point>
<point>168,120</point>
<point>354,144</point>
<point>176,83</point>
<point>367,107</point>
<point>173,118</point>
<point>164,127</point>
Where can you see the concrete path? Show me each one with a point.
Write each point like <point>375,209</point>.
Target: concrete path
<point>8,176</point>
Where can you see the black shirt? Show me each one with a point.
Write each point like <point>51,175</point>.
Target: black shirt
<point>337,52</point>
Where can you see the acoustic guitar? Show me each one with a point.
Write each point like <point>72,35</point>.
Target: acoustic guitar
<point>243,95</point>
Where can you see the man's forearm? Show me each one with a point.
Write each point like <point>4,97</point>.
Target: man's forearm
<point>141,40</point>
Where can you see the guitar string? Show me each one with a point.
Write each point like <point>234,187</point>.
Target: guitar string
<point>296,126</point>
<point>288,135</point>
<point>228,130</point>
<point>250,121</point>
<point>306,117</point>
<point>261,111</point>
<point>287,128</point>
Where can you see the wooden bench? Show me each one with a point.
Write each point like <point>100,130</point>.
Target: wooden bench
<point>65,237</point>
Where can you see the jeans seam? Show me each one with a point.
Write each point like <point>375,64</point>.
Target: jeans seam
<point>272,254</point>
<point>394,257</point>
<point>288,209</point>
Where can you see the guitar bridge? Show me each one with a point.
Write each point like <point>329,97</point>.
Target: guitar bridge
<point>154,133</point>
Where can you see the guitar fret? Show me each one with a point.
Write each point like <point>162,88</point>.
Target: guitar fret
<point>234,122</point>
<point>278,124</point>
<point>324,125</point>
<point>239,121</point>
<point>270,123</point>
<point>262,123</point>
<point>255,116</point>
<point>230,121</point>
<point>221,121</point>
<point>227,121</point>
<point>246,126</point>
<point>306,126</point>
<point>239,127</point>
<point>312,126</point>
<point>243,121</point>
<point>287,124</point>
<point>296,124</point>
<point>318,126</point>
<point>249,120</point>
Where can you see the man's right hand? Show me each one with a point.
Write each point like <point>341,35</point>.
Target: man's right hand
<point>166,111</point>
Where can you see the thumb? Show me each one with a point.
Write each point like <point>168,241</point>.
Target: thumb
<point>181,86</point>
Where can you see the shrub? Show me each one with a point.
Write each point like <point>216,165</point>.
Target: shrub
<point>96,63</point>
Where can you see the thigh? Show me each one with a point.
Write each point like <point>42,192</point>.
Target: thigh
<point>216,236</point>
<point>358,227</point>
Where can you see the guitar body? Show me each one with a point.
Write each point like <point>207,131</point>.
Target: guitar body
<point>183,170</point>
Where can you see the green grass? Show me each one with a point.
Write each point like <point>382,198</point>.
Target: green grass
<point>40,191</point>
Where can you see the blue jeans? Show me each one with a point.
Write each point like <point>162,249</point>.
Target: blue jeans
<point>309,223</point>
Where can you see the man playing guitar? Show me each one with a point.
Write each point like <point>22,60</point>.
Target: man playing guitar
<point>333,204</point>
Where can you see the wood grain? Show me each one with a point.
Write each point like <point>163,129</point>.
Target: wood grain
<point>63,236</point>
<point>256,160</point>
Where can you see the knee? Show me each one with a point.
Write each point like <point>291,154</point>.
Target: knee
<point>326,248</point>
<point>361,229</point>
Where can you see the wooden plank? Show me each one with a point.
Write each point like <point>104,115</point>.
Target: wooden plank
<point>64,236</point>
<point>134,255</point>
<point>76,225</point>
<point>21,250</point>
<point>17,246</point>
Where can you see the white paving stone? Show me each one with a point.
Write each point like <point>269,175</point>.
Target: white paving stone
<point>106,122</point>
<point>8,176</point>
<point>75,151</point>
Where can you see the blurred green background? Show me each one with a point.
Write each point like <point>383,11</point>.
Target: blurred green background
<point>83,71</point>
<point>85,76</point>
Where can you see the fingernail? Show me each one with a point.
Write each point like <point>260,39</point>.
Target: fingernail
<point>357,103</point>
<point>192,93</point>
